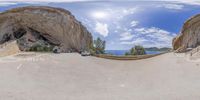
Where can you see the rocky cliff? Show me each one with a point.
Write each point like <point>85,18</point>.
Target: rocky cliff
<point>189,36</point>
<point>46,27</point>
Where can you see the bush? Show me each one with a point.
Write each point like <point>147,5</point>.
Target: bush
<point>41,48</point>
<point>127,53</point>
<point>137,50</point>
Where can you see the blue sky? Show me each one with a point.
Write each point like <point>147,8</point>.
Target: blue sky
<point>124,24</point>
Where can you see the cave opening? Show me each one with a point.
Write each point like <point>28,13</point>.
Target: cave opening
<point>41,36</point>
<point>33,41</point>
<point>6,37</point>
<point>19,33</point>
<point>42,44</point>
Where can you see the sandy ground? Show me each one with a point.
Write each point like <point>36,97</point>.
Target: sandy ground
<point>72,77</point>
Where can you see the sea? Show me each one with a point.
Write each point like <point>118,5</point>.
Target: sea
<point>122,52</point>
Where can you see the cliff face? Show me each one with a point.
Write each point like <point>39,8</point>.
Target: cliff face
<point>46,26</point>
<point>190,35</point>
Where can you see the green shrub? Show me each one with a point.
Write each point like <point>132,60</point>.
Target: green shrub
<point>127,53</point>
<point>137,50</point>
<point>41,48</point>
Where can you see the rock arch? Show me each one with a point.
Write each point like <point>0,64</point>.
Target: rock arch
<point>35,24</point>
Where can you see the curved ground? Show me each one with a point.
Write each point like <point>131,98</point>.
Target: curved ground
<point>72,77</point>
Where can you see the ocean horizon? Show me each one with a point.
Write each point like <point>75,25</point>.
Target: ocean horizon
<point>122,52</point>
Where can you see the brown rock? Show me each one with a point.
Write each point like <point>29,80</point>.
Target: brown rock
<point>45,26</point>
<point>190,35</point>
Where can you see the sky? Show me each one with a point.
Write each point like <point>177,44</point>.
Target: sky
<point>123,24</point>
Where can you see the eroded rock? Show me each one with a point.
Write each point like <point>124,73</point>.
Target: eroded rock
<point>189,36</point>
<point>46,26</point>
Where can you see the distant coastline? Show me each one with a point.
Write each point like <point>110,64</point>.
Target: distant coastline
<point>150,51</point>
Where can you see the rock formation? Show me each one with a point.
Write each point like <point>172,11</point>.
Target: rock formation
<point>46,27</point>
<point>9,49</point>
<point>190,35</point>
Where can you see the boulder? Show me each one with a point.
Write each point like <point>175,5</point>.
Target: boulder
<point>46,26</point>
<point>189,36</point>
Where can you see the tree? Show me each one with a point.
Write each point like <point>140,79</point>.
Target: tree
<point>99,46</point>
<point>137,50</point>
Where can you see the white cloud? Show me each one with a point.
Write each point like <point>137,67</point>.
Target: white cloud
<point>100,15</point>
<point>157,36</point>
<point>187,2</point>
<point>126,36</point>
<point>125,12</point>
<point>119,13</point>
<point>172,6</point>
<point>118,26</point>
<point>129,11</point>
<point>113,16</point>
<point>45,0</point>
<point>190,2</point>
<point>7,3</point>
<point>102,29</point>
<point>150,37</point>
<point>137,41</point>
<point>134,23</point>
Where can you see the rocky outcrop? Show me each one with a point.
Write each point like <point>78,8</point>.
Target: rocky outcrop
<point>190,35</point>
<point>45,26</point>
<point>9,49</point>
